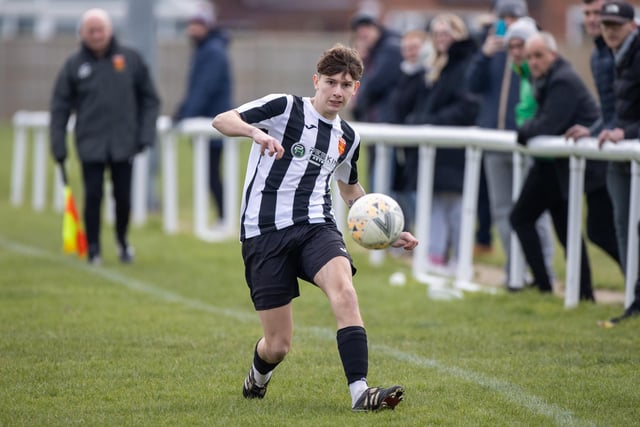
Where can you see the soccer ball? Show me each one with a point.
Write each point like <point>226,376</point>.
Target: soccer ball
<point>375,221</point>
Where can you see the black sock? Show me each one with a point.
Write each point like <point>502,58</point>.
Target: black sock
<point>352,346</point>
<point>261,366</point>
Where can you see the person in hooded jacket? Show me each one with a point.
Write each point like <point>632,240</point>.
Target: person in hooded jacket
<point>379,48</point>
<point>209,87</point>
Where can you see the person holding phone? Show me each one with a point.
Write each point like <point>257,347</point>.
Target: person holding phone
<point>492,76</point>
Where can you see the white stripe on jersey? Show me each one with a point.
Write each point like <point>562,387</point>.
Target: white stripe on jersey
<point>296,188</point>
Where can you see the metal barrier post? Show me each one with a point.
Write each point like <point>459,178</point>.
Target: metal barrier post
<point>632,242</point>
<point>574,231</point>
<point>140,188</point>
<point>424,197</point>
<point>19,161</point>
<point>169,183</point>
<point>516,257</point>
<point>230,185</point>
<point>464,269</point>
<point>39,195</point>
<point>200,187</point>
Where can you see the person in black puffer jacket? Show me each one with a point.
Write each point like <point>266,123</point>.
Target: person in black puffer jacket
<point>444,100</point>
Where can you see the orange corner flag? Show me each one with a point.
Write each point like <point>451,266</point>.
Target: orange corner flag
<point>73,237</point>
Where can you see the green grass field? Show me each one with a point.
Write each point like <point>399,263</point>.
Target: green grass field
<point>168,341</point>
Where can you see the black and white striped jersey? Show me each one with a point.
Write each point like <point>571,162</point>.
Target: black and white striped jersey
<point>296,188</point>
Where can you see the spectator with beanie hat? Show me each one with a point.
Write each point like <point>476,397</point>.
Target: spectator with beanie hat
<point>511,9</point>
<point>514,41</point>
<point>209,86</point>
<point>492,76</point>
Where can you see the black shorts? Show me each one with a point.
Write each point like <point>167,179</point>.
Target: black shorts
<point>274,261</point>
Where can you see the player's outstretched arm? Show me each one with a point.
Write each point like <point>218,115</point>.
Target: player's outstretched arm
<point>350,192</point>
<point>230,123</point>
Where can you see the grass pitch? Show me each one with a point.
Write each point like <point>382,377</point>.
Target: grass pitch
<point>168,341</point>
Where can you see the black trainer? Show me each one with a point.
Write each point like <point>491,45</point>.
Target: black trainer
<point>632,311</point>
<point>251,390</point>
<point>126,254</point>
<point>374,398</point>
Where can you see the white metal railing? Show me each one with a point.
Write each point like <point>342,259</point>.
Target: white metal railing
<point>474,140</point>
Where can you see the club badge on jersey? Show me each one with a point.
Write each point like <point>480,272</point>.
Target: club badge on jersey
<point>118,62</point>
<point>342,145</point>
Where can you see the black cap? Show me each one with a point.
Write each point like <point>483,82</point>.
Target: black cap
<point>362,19</point>
<point>616,11</point>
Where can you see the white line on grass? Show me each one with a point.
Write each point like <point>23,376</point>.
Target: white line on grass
<point>511,392</point>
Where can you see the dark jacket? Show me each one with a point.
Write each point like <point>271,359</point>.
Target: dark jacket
<point>563,100</point>
<point>114,100</point>
<point>381,74</point>
<point>484,78</point>
<point>627,87</point>
<point>403,100</point>
<point>449,103</point>
<point>209,85</point>
<point>405,94</point>
<point>603,72</point>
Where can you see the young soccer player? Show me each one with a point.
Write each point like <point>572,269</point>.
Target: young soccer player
<point>288,229</point>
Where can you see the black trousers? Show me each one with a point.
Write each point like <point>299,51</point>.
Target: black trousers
<point>483,231</point>
<point>215,182</point>
<point>542,191</point>
<point>600,228</point>
<point>93,177</point>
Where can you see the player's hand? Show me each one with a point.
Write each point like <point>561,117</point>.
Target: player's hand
<point>576,132</point>
<point>613,135</point>
<point>405,241</point>
<point>268,144</point>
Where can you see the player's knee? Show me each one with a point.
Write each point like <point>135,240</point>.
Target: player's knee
<point>277,350</point>
<point>347,297</point>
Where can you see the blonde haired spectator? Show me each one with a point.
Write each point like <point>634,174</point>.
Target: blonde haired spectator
<point>445,29</point>
<point>443,100</point>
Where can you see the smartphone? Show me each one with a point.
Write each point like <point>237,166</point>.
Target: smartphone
<point>500,28</point>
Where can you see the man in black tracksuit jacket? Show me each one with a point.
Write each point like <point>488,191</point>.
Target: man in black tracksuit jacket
<point>110,90</point>
<point>563,100</point>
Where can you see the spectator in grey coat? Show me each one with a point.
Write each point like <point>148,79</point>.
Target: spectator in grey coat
<point>110,90</point>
